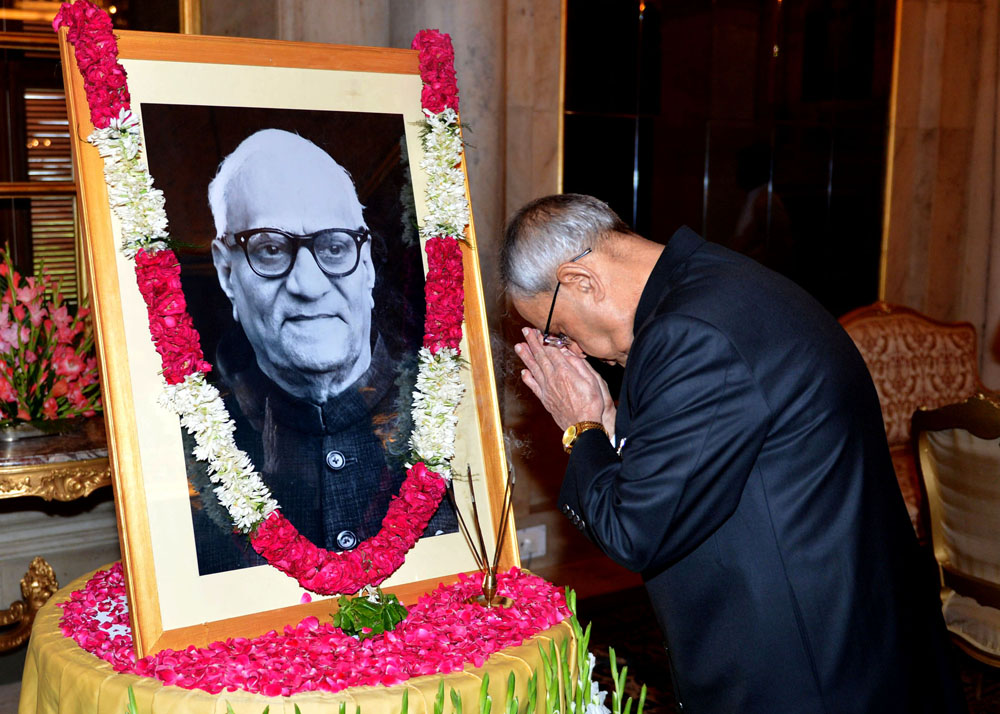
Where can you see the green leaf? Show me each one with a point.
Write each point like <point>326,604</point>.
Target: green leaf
<point>297,710</point>
<point>439,698</point>
<point>358,613</point>
<point>456,702</point>
<point>406,702</point>
<point>343,708</point>
<point>484,696</point>
<point>229,708</point>
<point>267,709</point>
<point>131,708</point>
<point>642,699</point>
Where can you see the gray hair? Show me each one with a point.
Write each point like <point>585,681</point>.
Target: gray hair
<point>546,233</point>
<point>273,142</point>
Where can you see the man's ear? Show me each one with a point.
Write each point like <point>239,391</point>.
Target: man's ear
<point>582,279</point>
<point>369,268</point>
<point>224,269</point>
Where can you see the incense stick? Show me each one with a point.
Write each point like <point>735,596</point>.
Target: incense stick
<point>480,563</point>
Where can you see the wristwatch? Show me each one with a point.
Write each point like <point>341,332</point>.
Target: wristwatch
<point>573,432</point>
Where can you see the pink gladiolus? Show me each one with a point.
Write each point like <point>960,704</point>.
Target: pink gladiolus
<point>50,408</point>
<point>29,291</point>
<point>7,392</point>
<point>67,362</point>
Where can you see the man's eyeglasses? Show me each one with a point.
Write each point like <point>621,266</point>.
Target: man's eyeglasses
<point>271,252</point>
<point>559,340</point>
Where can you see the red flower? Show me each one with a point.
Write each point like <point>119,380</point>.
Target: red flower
<point>437,71</point>
<point>91,34</point>
<point>60,388</point>
<point>67,363</point>
<point>50,408</point>
<point>174,336</point>
<point>7,392</point>
<point>442,633</point>
<point>325,572</point>
<point>444,294</point>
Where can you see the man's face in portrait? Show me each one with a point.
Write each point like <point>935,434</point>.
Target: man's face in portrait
<point>305,322</point>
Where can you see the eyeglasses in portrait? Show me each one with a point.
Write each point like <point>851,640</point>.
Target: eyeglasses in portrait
<point>301,266</point>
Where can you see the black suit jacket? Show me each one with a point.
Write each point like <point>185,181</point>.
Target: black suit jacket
<point>754,491</point>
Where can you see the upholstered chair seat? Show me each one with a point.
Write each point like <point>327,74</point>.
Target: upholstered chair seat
<point>958,450</point>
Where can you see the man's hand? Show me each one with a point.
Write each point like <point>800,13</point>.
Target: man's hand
<point>568,387</point>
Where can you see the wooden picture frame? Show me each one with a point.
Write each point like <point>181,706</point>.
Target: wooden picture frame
<point>171,604</point>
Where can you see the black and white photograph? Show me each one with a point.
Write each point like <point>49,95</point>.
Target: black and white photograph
<point>301,268</point>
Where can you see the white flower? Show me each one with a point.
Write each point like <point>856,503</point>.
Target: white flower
<point>203,414</point>
<point>447,204</point>
<point>436,398</point>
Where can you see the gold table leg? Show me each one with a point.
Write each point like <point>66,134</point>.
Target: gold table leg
<point>37,586</point>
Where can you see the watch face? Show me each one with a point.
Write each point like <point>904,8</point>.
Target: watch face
<point>569,436</point>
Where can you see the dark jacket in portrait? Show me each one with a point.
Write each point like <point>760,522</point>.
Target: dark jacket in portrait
<point>753,490</point>
<point>333,468</point>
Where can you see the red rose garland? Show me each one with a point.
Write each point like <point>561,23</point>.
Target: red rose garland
<point>437,71</point>
<point>444,296</point>
<point>90,33</point>
<point>177,342</point>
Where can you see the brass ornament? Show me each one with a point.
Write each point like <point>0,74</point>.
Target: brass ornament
<point>59,481</point>
<point>37,586</point>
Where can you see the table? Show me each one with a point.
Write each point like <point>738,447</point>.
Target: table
<point>61,678</point>
<point>60,467</point>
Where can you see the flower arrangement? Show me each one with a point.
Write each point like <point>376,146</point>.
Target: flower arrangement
<point>439,386</point>
<point>440,634</point>
<point>47,369</point>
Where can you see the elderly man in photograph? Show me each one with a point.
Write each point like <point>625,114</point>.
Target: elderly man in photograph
<point>744,473</point>
<point>306,378</point>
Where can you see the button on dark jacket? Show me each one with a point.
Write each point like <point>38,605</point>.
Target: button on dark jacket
<point>332,468</point>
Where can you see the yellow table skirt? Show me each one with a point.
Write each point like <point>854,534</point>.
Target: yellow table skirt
<point>61,678</point>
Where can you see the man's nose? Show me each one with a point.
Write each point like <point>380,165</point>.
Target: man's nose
<point>306,280</point>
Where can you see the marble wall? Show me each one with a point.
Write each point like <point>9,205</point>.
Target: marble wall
<point>943,240</point>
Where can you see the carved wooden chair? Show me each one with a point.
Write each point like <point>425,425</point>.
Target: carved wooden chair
<point>958,461</point>
<point>915,362</point>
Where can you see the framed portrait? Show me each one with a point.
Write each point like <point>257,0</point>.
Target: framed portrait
<point>294,191</point>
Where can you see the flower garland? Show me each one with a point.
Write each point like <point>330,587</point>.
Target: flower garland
<point>441,634</point>
<point>140,210</point>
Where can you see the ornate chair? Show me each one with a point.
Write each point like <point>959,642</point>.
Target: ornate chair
<point>958,460</point>
<point>915,362</point>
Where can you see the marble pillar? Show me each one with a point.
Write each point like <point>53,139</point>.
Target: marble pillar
<point>240,18</point>
<point>478,33</point>
<point>342,22</point>
<point>943,184</point>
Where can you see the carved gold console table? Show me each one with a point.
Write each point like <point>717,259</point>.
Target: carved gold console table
<point>60,467</point>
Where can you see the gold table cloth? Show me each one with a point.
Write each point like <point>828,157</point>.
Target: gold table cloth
<point>61,678</point>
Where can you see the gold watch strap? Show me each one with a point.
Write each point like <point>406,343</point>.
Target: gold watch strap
<point>573,433</point>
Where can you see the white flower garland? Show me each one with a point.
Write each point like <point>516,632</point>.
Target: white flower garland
<point>436,398</point>
<point>447,206</point>
<point>139,208</point>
